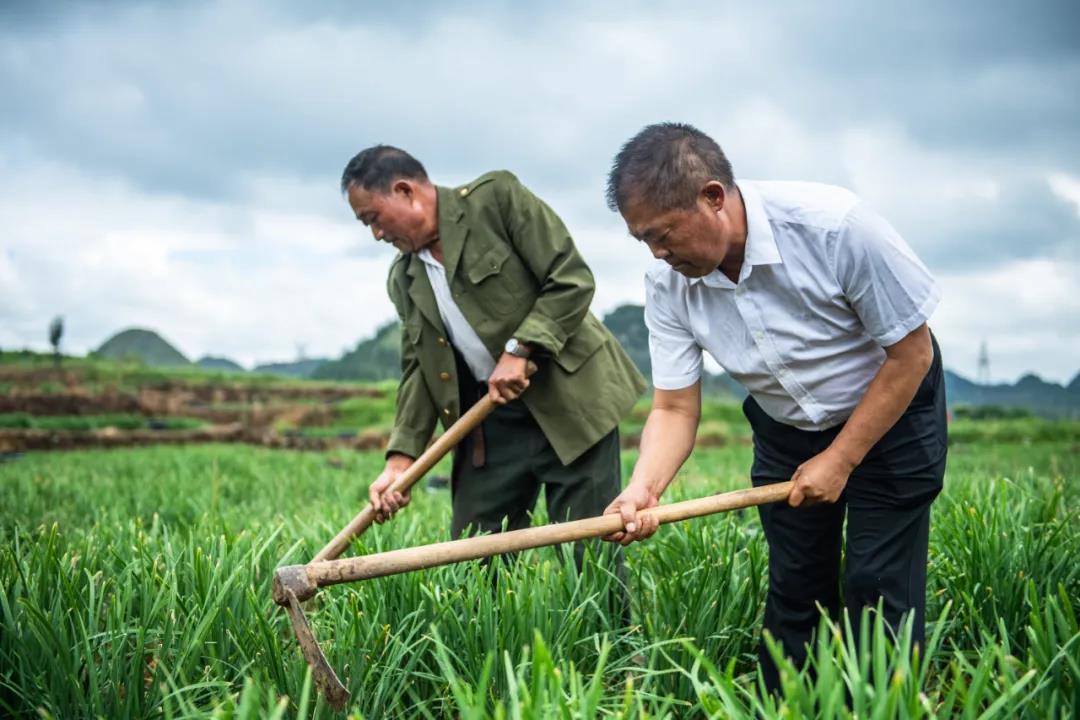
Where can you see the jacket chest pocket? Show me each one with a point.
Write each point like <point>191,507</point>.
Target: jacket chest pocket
<point>496,286</point>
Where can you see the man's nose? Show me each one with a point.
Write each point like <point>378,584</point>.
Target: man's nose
<point>658,252</point>
<point>377,232</point>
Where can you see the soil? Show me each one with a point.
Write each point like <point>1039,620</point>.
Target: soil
<point>21,440</point>
<point>237,413</point>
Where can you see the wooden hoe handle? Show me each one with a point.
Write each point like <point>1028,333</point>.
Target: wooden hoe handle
<point>305,580</point>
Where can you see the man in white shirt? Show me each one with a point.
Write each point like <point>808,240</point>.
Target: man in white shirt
<point>818,307</point>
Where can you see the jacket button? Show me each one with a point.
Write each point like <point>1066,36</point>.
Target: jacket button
<point>444,376</point>
<point>442,341</point>
<point>464,191</point>
<point>446,412</point>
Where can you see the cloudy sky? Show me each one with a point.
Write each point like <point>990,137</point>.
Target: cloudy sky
<point>175,165</point>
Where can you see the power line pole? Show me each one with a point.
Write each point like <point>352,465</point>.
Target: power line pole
<point>984,364</point>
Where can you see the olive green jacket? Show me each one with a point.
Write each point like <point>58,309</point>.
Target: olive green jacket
<point>514,272</point>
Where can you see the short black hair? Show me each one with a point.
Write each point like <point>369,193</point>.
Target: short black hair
<point>666,164</point>
<point>377,167</point>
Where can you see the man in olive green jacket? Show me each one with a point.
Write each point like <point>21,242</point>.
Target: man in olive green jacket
<point>488,276</point>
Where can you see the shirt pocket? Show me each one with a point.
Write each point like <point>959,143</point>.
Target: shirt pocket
<point>494,289</point>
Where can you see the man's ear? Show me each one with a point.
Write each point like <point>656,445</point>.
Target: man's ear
<point>714,194</point>
<point>402,187</point>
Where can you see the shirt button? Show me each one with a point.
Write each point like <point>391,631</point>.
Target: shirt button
<point>740,290</point>
<point>757,336</point>
<point>444,376</point>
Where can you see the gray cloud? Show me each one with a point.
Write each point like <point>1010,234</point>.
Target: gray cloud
<point>186,99</point>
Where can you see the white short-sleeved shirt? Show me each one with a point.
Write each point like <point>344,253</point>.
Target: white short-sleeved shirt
<point>826,284</point>
<point>461,333</point>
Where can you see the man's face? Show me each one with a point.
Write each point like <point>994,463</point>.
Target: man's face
<point>397,217</point>
<point>691,240</point>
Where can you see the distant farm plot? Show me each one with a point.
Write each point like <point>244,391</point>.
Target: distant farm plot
<point>99,403</point>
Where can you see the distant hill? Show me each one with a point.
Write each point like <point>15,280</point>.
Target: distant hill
<point>374,359</point>
<point>297,369</point>
<point>210,362</point>
<point>1030,392</point>
<point>144,345</point>
<point>627,324</point>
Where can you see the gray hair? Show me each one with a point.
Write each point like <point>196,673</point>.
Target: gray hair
<point>666,164</point>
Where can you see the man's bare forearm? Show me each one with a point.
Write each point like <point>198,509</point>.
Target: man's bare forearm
<point>666,443</point>
<point>887,397</point>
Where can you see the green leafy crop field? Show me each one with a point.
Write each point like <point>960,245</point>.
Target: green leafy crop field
<point>136,583</point>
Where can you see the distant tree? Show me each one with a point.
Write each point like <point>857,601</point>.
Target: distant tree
<point>56,331</point>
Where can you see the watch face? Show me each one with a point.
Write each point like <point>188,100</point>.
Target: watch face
<point>511,345</point>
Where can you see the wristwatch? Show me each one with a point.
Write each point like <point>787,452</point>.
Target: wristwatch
<point>516,348</point>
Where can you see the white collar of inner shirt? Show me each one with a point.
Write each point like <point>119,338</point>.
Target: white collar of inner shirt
<point>425,255</point>
<point>760,243</point>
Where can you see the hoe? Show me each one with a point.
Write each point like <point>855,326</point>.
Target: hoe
<point>295,583</point>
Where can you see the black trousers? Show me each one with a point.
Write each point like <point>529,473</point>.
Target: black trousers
<point>887,503</point>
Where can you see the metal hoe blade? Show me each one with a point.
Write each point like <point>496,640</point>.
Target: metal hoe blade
<point>325,677</point>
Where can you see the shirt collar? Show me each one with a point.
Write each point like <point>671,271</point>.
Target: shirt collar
<point>429,259</point>
<point>760,242</point>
